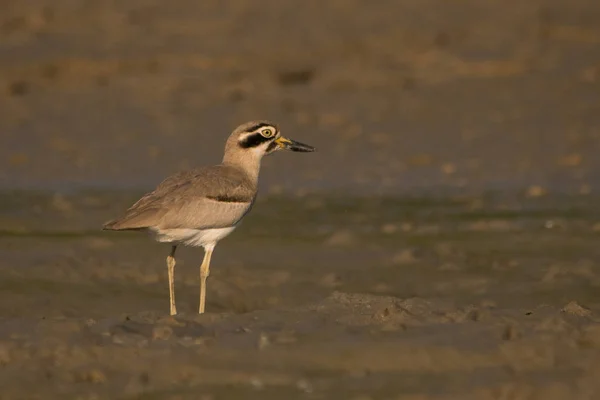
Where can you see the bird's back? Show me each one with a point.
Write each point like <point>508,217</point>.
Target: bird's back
<point>203,198</point>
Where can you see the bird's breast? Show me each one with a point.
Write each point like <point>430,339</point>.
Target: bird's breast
<point>192,237</point>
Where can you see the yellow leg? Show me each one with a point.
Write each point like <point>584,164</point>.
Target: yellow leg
<point>204,272</point>
<point>171,267</point>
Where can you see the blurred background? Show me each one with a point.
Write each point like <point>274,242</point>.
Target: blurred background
<point>397,95</point>
<point>441,244</point>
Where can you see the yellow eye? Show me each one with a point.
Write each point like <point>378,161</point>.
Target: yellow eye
<point>267,132</point>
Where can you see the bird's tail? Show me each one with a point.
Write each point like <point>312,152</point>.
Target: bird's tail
<point>112,225</point>
<point>131,221</point>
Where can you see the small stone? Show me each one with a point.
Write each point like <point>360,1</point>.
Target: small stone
<point>570,160</point>
<point>444,249</point>
<point>420,160</point>
<point>406,256</point>
<point>4,355</point>
<point>492,225</point>
<point>153,152</point>
<point>91,376</point>
<point>585,189</point>
<point>551,274</point>
<point>129,340</point>
<point>406,227</point>
<point>189,341</point>
<point>18,88</point>
<point>330,280</point>
<point>60,203</point>
<point>449,266</point>
<point>575,309</point>
<point>331,120</point>
<point>510,333</point>
<point>285,337</point>
<point>162,332</point>
<point>389,229</point>
<point>428,229</point>
<point>275,190</point>
<point>17,159</point>
<point>535,191</point>
<point>590,337</point>
<point>341,238</point>
<point>257,383</point>
<point>144,378</point>
<point>96,243</point>
<point>263,341</point>
<point>590,74</point>
<point>382,288</point>
<point>448,168</point>
<point>304,385</point>
<point>171,320</point>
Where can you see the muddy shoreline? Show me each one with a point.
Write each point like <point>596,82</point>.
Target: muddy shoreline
<point>435,298</point>
<point>442,244</point>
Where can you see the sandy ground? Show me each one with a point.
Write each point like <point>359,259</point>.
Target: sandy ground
<point>441,245</point>
<point>313,297</point>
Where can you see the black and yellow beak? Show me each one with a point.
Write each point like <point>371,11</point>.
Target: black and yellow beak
<point>289,144</point>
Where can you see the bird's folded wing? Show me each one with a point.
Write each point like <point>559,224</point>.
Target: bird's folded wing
<point>210,197</point>
<point>205,214</point>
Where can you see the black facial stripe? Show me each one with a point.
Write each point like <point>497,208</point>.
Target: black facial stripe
<point>229,198</point>
<point>271,147</point>
<point>257,126</point>
<point>254,140</point>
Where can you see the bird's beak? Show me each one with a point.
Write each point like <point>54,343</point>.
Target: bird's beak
<point>289,144</point>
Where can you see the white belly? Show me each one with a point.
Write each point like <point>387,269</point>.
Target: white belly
<point>192,237</point>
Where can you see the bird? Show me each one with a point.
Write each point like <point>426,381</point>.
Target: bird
<point>201,206</point>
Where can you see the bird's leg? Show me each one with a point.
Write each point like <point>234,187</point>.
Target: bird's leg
<point>204,272</point>
<point>171,267</point>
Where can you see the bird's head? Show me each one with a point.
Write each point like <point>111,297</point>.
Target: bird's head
<point>262,138</point>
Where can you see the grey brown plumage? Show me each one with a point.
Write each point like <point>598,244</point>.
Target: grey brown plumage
<point>206,197</point>
<point>199,207</point>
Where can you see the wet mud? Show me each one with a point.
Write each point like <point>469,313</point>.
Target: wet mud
<point>458,297</point>
<point>442,244</point>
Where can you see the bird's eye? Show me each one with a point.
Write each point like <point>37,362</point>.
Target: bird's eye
<point>267,132</point>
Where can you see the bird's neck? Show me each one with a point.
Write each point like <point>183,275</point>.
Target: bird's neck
<point>249,164</point>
